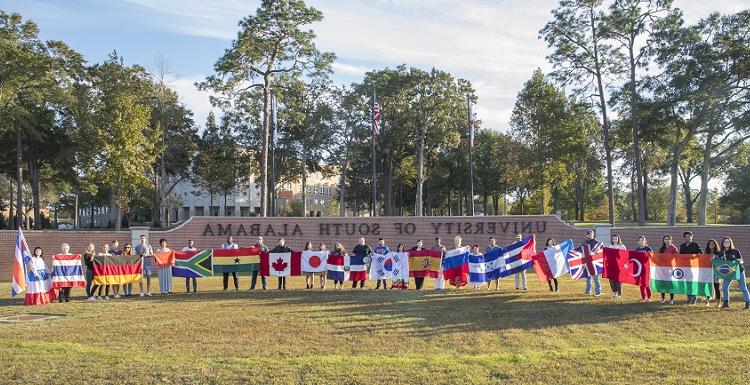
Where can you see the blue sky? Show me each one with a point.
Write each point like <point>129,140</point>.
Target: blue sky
<point>493,43</point>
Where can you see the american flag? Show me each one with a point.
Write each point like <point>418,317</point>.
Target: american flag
<point>376,119</point>
<point>586,261</point>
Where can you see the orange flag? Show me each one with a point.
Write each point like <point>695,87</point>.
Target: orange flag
<point>164,259</point>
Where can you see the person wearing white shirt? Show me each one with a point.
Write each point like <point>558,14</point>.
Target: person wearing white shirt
<point>190,247</point>
<point>226,246</point>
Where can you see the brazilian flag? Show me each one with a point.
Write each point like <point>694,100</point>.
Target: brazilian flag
<point>192,264</point>
<point>727,269</point>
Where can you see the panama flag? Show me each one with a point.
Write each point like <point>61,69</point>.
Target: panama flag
<point>381,266</point>
<point>400,265</point>
<point>518,256</point>
<point>314,261</point>
<point>456,266</point>
<point>690,274</point>
<point>336,268</point>
<point>494,263</point>
<point>67,271</point>
<point>21,255</point>
<point>477,269</point>
<point>627,266</point>
<point>281,264</point>
<point>551,262</point>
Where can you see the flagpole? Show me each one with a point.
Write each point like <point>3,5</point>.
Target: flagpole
<point>273,158</point>
<point>470,125</point>
<point>373,188</point>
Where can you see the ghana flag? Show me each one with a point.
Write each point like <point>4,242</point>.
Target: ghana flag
<point>192,264</point>
<point>236,260</point>
<point>117,269</point>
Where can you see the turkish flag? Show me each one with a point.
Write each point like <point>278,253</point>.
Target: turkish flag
<point>281,264</point>
<point>627,266</point>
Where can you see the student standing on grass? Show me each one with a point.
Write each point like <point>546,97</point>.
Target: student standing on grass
<point>712,248</point>
<point>520,277</point>
<point>39,289</point>
<point>147,252</point>
<point>592,242</point>
<point>614,284</point>
<point>338,251</point>
<point>381,249</point>
<point>88,260</point>
<point>644,247</point>
<point>418,281</point>
<point>309,277</point>
<point>690,247</point>
<point>164,273</point>
<point>190,248</point>
<point>127,250</point>
<point>64,292</point>
<point>492,246</point>
<point>551,243</point>
<point>105,252</point>
<point>474,285</point>
<point>667,247</point>
<point>229,245</point>
<point>263,249</point>
<point>115,249</point>
<point>322,247</point>
<point>281,247</point>
<point>400,283</point>
<point>364,251</point>
<point>730,253</point>
<point>439,281</point>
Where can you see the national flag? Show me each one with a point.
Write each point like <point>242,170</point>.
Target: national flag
<point>424,263</point>
<point>314,261</point>
<point>551,263</point>
<point>456,266</point>
<point>585,261</point>
<point>627,266</point>
<point>67,271</point>
<point>727,270</point>
<point>20,257</point>
<point>117,270</point>
<point>518,256</point>
<point>400,262</point>
<point>494,263</point>
<point>236,260</point>
<point>690,274</point>
<point>164,259</point>
<point>375,117</point>
<point>336,269</point>
<point>281,264</point>
<point>192,264</point>
<point>477,269</point>
<point>357,267</point>
<point>381,266</point>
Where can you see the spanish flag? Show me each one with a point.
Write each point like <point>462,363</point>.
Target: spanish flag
<point>117,269</point>
<point>236,260</point>
<point>424,263</point>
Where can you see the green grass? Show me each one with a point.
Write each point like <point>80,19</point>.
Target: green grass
<point>375,337</point>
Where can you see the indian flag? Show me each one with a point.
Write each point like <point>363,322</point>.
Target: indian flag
<point>690,274</point>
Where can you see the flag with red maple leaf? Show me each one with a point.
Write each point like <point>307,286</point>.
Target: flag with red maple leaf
<point>281,264</point>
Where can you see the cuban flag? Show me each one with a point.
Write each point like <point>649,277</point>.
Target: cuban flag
<point>586,261</point>
<point>67,271</point>
<point>456,266</point>
<point>20,257</point>
<point>518,256</point>
<point>477,269</point>
<point>381,266</point>
<point>314,261</point>
<point>494,263</point>
<point>336,268</point>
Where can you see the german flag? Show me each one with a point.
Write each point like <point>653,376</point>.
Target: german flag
<point>117,269</point>
<point>236,260</point>
<point>424,263</point>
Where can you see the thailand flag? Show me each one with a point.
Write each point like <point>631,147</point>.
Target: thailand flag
<point>518,256</point>
<point>357,268</point>
<point>337,270</point>
<point>21,256</point>
<point>456,266</point>
<point>586,261</point>
<point>477,269</point>
<point>494,263</point>
<point>67,271</point>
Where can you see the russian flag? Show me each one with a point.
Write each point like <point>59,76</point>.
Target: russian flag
<point>456,266</point>
<point>518,256</point>
<point>21,255</point>
<point>551,263</point>
<point>494,263</point>
<point>336,270</point>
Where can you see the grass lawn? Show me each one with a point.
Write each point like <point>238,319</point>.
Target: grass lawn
<point>376,337</point>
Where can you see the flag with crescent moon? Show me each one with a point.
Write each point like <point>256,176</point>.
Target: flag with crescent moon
<point>627,266</point>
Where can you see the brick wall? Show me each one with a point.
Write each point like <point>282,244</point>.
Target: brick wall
<point>212,231</point>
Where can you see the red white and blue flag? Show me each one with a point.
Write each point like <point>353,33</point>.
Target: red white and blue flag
<point>336,268</point>
<point>20,257</point>
<point>586,261</point>
<point>67,271</point>
<point>357,267</point>
<point>518,256</point>
<point>456,266</point>
<point>381,266</point>
<point>375,118</point>
<point>552,263</point>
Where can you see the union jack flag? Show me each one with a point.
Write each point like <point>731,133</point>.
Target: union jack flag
<point>586,261</point>
<point>375,119</point>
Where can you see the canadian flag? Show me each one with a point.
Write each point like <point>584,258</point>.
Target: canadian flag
<point>281,264</point>
<point>314,261</point>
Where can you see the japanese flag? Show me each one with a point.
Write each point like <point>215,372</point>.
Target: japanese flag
<point>314,261</point>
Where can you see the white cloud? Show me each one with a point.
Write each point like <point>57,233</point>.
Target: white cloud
<point>192,97</point>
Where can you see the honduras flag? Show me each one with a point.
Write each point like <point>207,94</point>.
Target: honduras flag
<point>477,269</point>
<point>518,256</point>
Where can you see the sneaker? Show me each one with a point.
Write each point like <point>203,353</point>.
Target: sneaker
<point>98,298</point>
<point>586,293</point>
<point>671,302</point>
<point>148,294</point>
<point>91,299</point>
<point>648,300</point>
<point>663,300</point>
<point>117,296</point>
<point>143,295</point>
<point>614,296</point>
<point>106,298</point>
<point>598,295</point>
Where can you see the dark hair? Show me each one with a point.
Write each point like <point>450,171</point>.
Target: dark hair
<point>664,244</point>
<point>490,238</point>
<point>731,244</point>
<point>418,240</point>
<point>380,239</point>
<point>619,238</point>
<point>714,250</point>
<point>41,255</point>
<point>550,239</point>
<point>282,239</point>
<point>400,246</point>
<point>590,231</point>
<point>308,245</point>
<point>437,238</point>
<point>162,240</point>
<point>521,234</point>
<point>687,233</point>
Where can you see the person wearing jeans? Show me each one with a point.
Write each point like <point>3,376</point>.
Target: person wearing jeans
<point>730,253</point>
<point>592,242</point>
<point>263,249</point>
<point>520,277</point>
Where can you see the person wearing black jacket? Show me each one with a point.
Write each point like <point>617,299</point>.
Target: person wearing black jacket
<point>730,253</point>
<point>690,247</point>
<point>263,249</point>
<point>362,250</point>
<point>418,281</point>
<point>281,248</point>
<point>712,248</point>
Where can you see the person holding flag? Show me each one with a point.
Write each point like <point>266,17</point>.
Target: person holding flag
<point>644,248</point>
<point>281,247</point>
<point>39,290</point>
<point>381,249</point>
<point>363,251</point>
<point>397,283</point>
<point>439,281</point>
<point>474,252</point>
<point>147,252</point>
<point>667,247</point>
<point>338,252</point>
<point>551,243</point>
<point>712,249</point>
<point>614,284</point>
<point>521,276</point>
<point>592,242</point>
<point>88,261</point>
<point>492,246</point>
<point>190,248</point>
<point>730,253</point>
<point>418,281</point>
<point>254,279</point>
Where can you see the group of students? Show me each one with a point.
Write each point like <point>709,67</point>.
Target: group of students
<point>724,250</point>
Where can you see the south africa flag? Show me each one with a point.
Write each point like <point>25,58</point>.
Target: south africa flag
<point>192,264</point>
